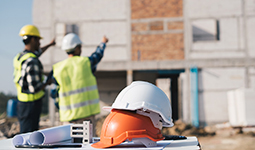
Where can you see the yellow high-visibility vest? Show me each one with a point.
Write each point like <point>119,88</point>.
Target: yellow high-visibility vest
<point>78,93</point>
<point>24,97</point>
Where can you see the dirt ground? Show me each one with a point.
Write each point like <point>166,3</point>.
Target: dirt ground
<point>234,142</point>
<point>217,137</point>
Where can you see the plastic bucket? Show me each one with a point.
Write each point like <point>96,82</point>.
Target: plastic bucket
<point>12,108</point>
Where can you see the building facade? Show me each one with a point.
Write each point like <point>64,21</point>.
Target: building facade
<point>204,48</point>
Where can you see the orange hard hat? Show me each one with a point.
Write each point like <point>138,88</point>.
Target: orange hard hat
<point>121,125</point>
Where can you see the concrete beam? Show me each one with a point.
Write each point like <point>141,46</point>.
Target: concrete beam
<point>166,65</point>
<point>176,64</point>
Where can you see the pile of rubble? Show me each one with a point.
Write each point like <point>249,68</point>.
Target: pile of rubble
<point>181,128</point>
<point>223,130</point>
<point>9,127</point>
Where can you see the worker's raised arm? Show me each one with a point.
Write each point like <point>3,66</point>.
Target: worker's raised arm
<point>44,48</point>
<point>96,57</point>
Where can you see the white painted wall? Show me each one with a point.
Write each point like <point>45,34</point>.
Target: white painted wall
<point>89,10</point>
<point>213,107</point>
<point>236,18</point>
<point>185,96</point>
<point>43,13</point>
<point>233,28</point>
<point>229,15</point>
<point>214,83</point>
<point>218,79</point>
<point>94,18</point>
<point>251,35</point>
<point>249,7</point>
<point>252,77</point>
<point>92,32</point>
<point>213,8</point>
<point>229,37</point>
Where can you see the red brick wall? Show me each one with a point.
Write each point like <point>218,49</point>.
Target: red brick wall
<point>157,47</point>
<point>156,8</point>
<point>156,25</point>
<point>139,27</point>
<point>174,25</point>
<point>152,39</point>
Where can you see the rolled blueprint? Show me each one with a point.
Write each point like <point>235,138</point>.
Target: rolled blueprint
<point>21,139</point>
<point>51,135</point>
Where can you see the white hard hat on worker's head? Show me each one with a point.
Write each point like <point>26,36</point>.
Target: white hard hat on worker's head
<point>145,96</point>
<point>70,41</point>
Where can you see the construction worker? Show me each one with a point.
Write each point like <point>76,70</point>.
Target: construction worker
<point>78,93</point>
<point>28,78</point>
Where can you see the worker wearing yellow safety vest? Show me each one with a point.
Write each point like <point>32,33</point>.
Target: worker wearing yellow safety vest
<point>28,78</point>
<point>78,93</point>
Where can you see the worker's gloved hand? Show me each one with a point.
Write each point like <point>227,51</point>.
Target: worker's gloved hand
<point>56,104</point>
<point>54,96</point>
<point>54,93</point>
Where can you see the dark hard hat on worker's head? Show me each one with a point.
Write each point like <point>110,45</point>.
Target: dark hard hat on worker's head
<point>29,30</point>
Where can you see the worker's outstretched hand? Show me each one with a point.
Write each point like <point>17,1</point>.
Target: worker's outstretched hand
<point>52,43</point>
<point>105,39</point>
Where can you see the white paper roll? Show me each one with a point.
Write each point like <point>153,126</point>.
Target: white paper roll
<point>51,135</point>
<point>21,139</point>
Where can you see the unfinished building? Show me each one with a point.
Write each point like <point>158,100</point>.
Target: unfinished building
<point>195,50</point>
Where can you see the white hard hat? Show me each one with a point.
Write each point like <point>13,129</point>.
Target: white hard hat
<point>70,41</point>
<point>145,96</point>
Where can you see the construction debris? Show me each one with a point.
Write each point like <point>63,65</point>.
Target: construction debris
<point>9,127</point>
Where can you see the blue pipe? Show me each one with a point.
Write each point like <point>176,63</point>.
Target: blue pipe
<point>194,97</point>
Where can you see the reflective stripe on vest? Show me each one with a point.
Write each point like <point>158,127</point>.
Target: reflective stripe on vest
<point>81,104</point>
<point>77,91</point>
<point>78,94</point>
<point>17,63</point>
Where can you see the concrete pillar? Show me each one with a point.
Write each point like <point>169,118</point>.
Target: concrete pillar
<point>129,76</point>
<point>186,96</point>
<point>51,108</point>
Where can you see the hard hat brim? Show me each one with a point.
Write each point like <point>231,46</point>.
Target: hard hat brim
<point>100,145</point>
<point>31,35</point>
<point>166,123</point>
